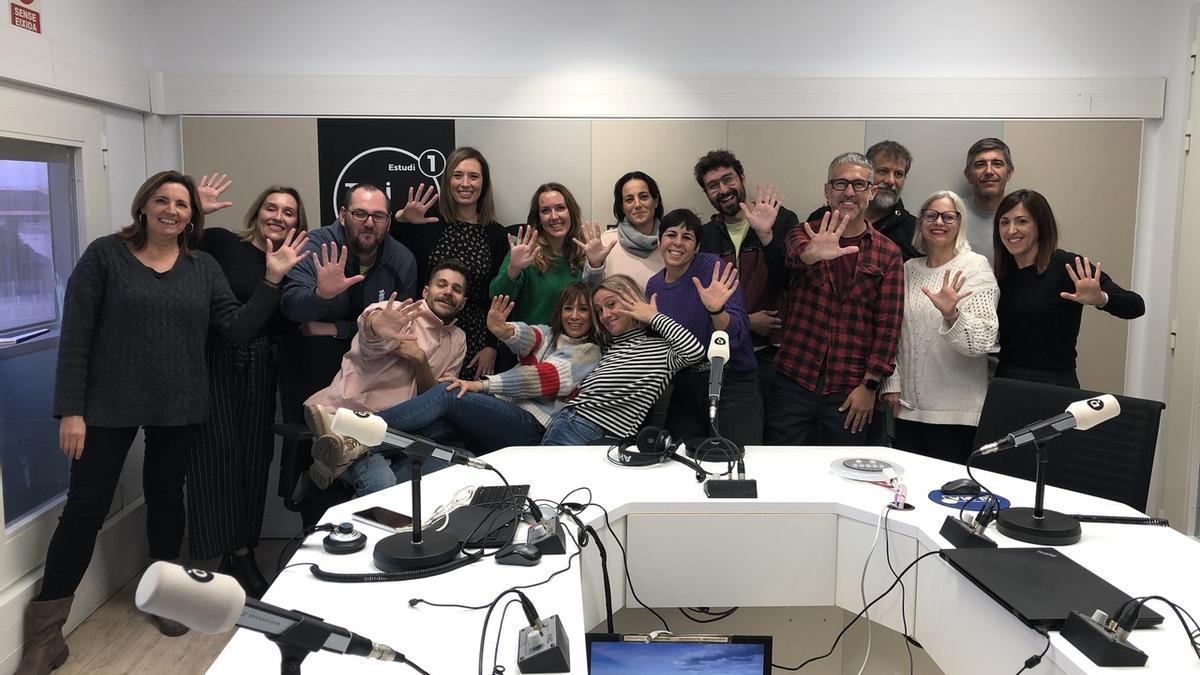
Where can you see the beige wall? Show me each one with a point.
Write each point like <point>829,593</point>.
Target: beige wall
<point>255,152</point>
<point>1087,169</point>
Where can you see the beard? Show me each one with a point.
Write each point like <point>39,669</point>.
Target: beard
<point>884,201</point>
<point>733,209</point>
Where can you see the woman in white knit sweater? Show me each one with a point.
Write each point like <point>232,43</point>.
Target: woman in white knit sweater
<point>950,324</point>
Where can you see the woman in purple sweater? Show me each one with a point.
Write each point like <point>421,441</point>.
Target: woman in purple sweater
<point>693,290</point>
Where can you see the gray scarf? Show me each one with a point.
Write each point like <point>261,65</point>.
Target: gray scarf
<point>636,243</point>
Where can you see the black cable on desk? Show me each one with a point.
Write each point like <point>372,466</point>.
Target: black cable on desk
<point>859,615</point>
<point>625,560</point>
<point>1033,661</point>
<point>887,553</point>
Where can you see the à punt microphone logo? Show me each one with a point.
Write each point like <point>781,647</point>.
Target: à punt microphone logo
<point>26,14</point>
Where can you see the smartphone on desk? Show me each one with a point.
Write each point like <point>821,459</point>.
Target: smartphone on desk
<point>386,519</point>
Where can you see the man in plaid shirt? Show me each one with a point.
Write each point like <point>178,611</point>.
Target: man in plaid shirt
<point>843,319</point>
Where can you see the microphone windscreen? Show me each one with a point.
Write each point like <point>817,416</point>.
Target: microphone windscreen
<point>363,427</point>
<point>1090,412</point>
<point>201,600</point>
<point>718,346</point>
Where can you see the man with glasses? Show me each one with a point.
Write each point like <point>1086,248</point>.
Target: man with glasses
<point>886,211</point>
<point>750,236</point>
<point>843,318</point>
<point>989,168</point>
<point>353,263</point>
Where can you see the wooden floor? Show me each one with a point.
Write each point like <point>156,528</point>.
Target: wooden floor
<point>117,638</point>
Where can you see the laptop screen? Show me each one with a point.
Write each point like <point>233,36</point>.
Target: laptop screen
<point>613,654</point>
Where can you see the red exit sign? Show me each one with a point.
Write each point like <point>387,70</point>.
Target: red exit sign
<point>24,14</point>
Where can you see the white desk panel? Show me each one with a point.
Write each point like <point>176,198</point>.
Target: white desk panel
<point>961,628</point>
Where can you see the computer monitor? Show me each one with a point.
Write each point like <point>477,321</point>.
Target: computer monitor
<point>627,654</point>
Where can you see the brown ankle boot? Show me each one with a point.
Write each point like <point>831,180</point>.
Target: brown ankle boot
<point>45,648</point>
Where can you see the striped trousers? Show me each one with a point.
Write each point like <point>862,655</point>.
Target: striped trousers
<point>227,475</point>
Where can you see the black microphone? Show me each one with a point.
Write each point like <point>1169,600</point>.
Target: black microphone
<point>718,355</point>
<point>371,430</point>
<point>1082,415</point>
<point>214,603</point>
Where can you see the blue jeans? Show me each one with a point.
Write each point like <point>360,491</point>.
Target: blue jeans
<point>568,427</point>
<point>493,422</point>
<point>797,416</point>
<point>381,468</point>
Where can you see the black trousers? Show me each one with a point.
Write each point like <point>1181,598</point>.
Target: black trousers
<point>230,463</point>
<point>739,413</point>
<point>951,442</point>
<point>94,478</point>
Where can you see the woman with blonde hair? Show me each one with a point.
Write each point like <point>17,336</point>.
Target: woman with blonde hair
<point>950,325</point>
<point>231,458</point>
<point>645,348</point>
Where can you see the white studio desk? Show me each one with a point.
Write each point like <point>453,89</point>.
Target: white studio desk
<point>803,542</point>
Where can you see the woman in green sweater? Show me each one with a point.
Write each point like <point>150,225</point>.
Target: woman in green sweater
<point>545,255</point>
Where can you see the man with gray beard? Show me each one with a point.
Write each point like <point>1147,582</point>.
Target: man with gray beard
<point>886,212</point>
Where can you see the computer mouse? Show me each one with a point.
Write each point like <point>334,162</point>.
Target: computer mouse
<point>962,486</point>
<point>525,555</point>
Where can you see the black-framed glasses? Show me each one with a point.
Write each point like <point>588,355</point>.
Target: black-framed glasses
<point>947,217</point>
<point>840,184</point>
<point>360,216</point>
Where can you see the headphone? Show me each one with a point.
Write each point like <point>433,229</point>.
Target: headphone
<point>653,446</point>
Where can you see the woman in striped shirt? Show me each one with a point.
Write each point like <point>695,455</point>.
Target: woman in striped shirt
<point>511,408</point>
<point>646,349</point>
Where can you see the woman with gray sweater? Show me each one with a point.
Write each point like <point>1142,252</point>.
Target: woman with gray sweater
<point>131,355</point>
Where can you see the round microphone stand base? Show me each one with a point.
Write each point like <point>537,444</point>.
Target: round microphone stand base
<point>1052,529</point>
<point>398,553</point>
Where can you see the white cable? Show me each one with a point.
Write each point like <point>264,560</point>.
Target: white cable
<point>461,498</point>
<point>862,588</point>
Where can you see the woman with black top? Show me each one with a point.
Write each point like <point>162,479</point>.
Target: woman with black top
<point>131,355</point>
<point>1043,290</point>
<point>465,228</point>
<point>227,474</point>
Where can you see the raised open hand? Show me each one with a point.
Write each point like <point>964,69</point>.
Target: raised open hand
<point>762,212</point>
<point>719,289</point>
<point>392,322</point>
<point>824,244</point>
<point>281,260</point>
<point>634,305</point>
<point>497,316</point>
<point>592,246</point>
<point>947,297</point>
<point>418,204</point>
<point>521,250</point>
<point>331,272</point>
<point>1087,283</point>
<point>210,189</point>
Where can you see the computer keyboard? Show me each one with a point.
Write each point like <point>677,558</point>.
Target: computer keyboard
<point>508,502</point>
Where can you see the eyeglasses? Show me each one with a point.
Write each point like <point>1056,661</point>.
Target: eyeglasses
<point>947,217</point>
<point>360,216</point>
<point>840,184</point>
<point>728,180</point>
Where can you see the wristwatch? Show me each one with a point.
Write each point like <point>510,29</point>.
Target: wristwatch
<point>871,385</point>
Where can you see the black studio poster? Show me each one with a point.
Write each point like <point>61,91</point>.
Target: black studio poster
<point>394,154</point>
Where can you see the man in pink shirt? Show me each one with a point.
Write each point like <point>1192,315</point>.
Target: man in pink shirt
<point>400,350</point>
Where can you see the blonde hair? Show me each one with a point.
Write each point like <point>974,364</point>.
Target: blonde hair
<point>619,284</point>
<point>960,239</point>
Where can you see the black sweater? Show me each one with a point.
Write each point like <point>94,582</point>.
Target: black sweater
<point>131,351</point>
<point>1038,327</point>
<point>245,266</point>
